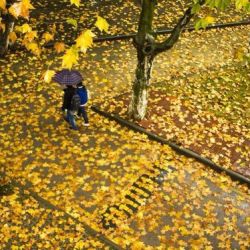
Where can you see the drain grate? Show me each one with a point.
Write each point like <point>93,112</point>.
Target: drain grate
<point>135,197</point>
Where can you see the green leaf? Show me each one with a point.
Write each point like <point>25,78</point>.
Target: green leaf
<point>197,25</point>
<point>196,8</point>
<point>204,22</point>
<point>210,3</point>
<point>224,4</point>
<point>239,4</point>
<point>247,8</point>
<point>72,22</point>
<point>219,4</point>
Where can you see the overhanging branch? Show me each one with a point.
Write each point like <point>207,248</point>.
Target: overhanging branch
<point>175,34</point>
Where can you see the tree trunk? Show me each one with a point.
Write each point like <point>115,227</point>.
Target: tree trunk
<point>4,38</point>
<point>139,98</point>
<point>147,49</point>
<point>144,43</point>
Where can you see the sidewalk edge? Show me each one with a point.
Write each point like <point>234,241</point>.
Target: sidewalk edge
<point>90,231</point>
<point>234,175</point>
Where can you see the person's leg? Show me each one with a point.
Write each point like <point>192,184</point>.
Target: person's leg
<point>71,119</point>
<point>64,101</point>
<point>84,114</point>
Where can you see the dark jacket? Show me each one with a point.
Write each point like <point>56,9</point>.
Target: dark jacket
<point>68,94</point>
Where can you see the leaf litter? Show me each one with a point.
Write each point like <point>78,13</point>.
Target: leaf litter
<point>85,174</point>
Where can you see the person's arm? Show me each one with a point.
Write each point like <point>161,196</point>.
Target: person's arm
<point>88,93</point>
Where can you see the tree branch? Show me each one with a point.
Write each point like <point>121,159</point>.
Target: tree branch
<point>173,38</point>
<point>145,23</point>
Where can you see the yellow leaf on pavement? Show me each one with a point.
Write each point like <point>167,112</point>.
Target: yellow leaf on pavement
<point>59,47</point>
<point>29,36</point>
<point>102,24</point>
<point>34,48</point>
<point>24,28</point>
<point>75,2</point>
<point>47,37</point>
<point>12,37</point>
<point>223,179</point>
<point>14,247</point>
<point>48,75</point>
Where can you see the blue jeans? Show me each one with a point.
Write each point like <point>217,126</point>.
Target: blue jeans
<point>82,112</point>
<point>70,118</point>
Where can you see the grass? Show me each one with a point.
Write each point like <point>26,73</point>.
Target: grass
<point>224,92</point>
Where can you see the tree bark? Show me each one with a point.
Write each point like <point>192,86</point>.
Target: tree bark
<point>4,38</point>
<point>139,98</point>
<point>9,22</point>
<point>147,49</point>
<point>144,43</point>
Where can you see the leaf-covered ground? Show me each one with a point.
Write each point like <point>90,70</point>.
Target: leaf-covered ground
<point>26,224</point>
<point>208,114</point>
<point>49,13</point>
<point>179,202</point>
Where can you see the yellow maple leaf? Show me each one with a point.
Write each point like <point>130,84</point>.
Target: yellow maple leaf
<point>25,7</point>
<point>3,4</point>
<point>140,215</point>
<point>48,75</point>
<point>26,4</point>
<point>12,37</point>
<point>79,245</point>
<point>59,47</point>
<point>70,57</point>
<point>85,40</point>
<point>137,245</point>
<point>34,48</point>
<point>29,36</point>
<point>75,2</point>
<point>209,19</point>
<point>223,179</point>
<point>15,9</point>
<point>14,247</point>
<point>47,36</point>
<point>101,24</point>
<point>24,28</point>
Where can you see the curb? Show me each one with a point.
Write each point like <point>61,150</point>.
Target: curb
<point>183,151</point>
<point>158,32</point>
<point>169,30</point>
<point>89,231</point>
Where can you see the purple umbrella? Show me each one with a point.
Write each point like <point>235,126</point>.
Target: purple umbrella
<point>68,77</point>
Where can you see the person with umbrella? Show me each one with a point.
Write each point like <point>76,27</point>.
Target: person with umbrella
<point>71,100</point>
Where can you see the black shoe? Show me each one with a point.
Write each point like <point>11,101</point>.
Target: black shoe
<point>75,128</point>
